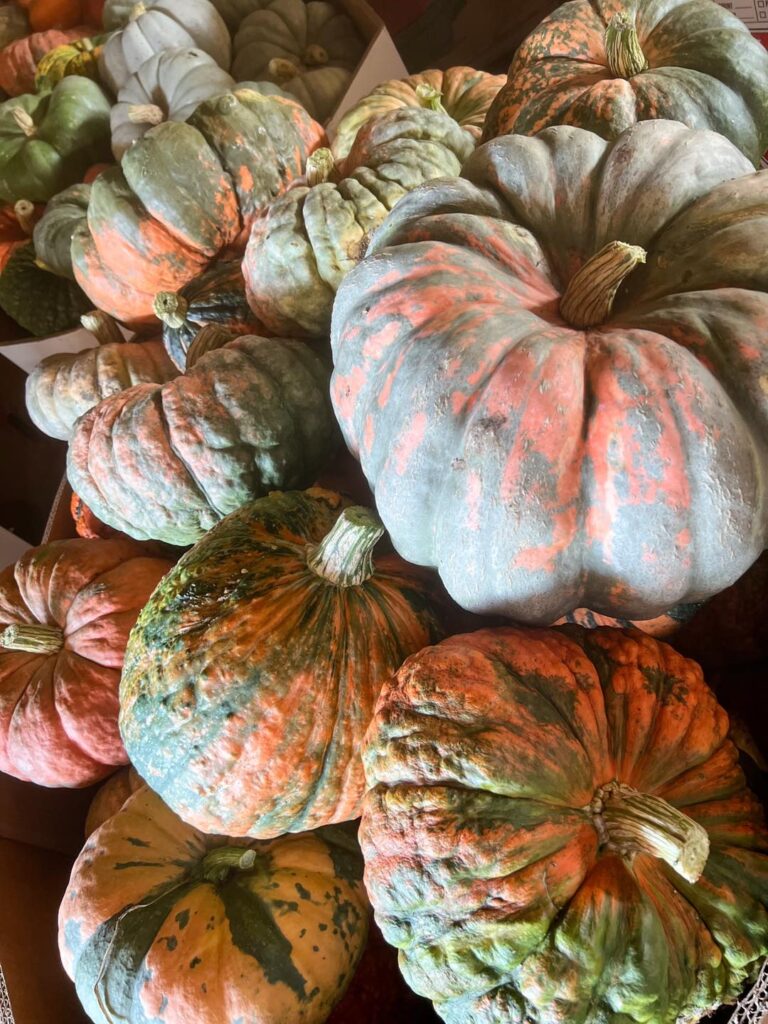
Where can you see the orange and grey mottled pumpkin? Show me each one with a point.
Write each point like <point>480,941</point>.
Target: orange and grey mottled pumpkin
<point>161,922</point>
<point>603,65</point>
<point>65,612</point>
<point>557,829</point>
<point>261,657</point>
<point>543,418</point>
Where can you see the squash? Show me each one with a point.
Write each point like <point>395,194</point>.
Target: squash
<point>53,232</point>
<point>65,612</point>
<point>13,24</point>
<point>246,419</point>
<point>605,65</point>
<point>149,231</point>
<point>20,59</point>
<point>111,797</point>
<point>307,240</point>
<point>63,387</point>
<point>167,87</point>
<point>210,697</point>
<point>311,49</point>
<point>541,416</point>
<point>58,14</point>
<point>40,302</point>
<point>17,223</point>
<point>462,93</point>
<point>148,27</point>
<point>216,297</point>
<point>48,141</point>
<point>87,524</point>
<point>235,11</point>
<point>557,828</point>
<point>80,57</point>
<point>160,920</point>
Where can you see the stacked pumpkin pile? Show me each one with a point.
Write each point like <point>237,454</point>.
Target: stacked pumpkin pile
<point>545,347</point>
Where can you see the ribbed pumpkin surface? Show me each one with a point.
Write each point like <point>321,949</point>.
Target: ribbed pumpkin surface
<point>162,923</point>
<point>248,664</point>
<point>495,870</point>
<point>544,466</point>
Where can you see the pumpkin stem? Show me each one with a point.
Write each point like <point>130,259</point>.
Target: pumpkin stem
<point>25,215</point>
<point>430,98</point>
<point>282,69</point>
<point>137,10</point>
<point>588,299</point>
<point>102,327</point>
<point>344,556</point>
<point>146,113</point>
<point>315,56</point>
<point>622,47</point>
<point>320,167</point>
<point>632,822</point>
<point>208,339</point>
<point>24,122</point>
<point>171,308</point>
<point>34,639</point>
<point>220,863</point>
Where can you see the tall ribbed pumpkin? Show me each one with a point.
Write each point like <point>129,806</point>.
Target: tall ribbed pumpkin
<point>254,670</point>
<point>557,829</point>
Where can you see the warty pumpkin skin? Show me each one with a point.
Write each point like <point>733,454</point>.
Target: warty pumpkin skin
<point>19,60</point>
<point>557,829</point>
<point>40,302</point>
<point>163,923</point>
<point>167,462</point>
<point>261,657</point>
<point>539,464</point>
<point>65,612</point>
<point>461,92</point>
<point>80,57</point>
<point>306,241</point>
<point>603,65</point>
<point>144,235</point>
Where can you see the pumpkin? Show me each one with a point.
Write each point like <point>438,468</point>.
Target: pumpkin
<point>19,60</point>
<point>64,386</point>
<point>545,435</point>
<point>167,87</point>
<point>40,302</point>
<point>53,232</point>
<point>462,93</point>
<point>80,57</point>
<point>110,798</point>
<point>216,297</point>
<point>307,240</point>
<point>163,922</point>
<point>246,419</point>
<point>13,24</point>
<point>86,523</point>
<point>148,231</point>
<point>148,27</point>
<point>308,48</point>
<point>59,14</point>
<point>557,828</point>
<point>210,697</point>
<point>48,140</point>
<point>605,65</point>
<point>65,612</point>
<point>17,223</point>
<point>234,11</point>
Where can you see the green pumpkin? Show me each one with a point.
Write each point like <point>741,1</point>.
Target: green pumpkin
<point>49,140</point>
<point>53,232</point>
<point>37,300</point>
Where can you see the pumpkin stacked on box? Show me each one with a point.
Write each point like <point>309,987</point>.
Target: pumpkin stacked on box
<point>430,688</point>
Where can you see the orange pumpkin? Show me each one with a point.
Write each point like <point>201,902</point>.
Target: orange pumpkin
<point>45,14</point>
<point>19,59</point>
<point>111,797</point>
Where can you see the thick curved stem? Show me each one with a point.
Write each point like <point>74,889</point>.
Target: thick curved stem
<point>171,308</point>
<point>102,327</point>
<point>344,557</point>
<point>321,167</point>
<point>34,639</point>
<point>430,98</point>
<point>588,299</point>
<point>622,47</point>
<point>220,863</point>
<point>24,122</point>
<point>316,56</point>
<point>137,10</point>
<point>25,215</point>
<point>146,113</point>
<point>282,70</point>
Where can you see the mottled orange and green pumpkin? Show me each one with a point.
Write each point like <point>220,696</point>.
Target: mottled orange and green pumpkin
<point>162,923</point>
<point>557,829</point>
<point>254,670</point>
<point>66,609</point>
<point>603,65</point>
<point>552,370</point>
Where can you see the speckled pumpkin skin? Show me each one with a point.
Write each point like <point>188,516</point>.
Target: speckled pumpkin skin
<point>484,865</point>
<point>152,226</point>
<point>167,462</point>
<point>58,712</point>
<point>465,94</point>
<point>543,468</point>
<point>248,665</point>
<point>307,240</point>
<point>146,935</point>
<point>705,69</point>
